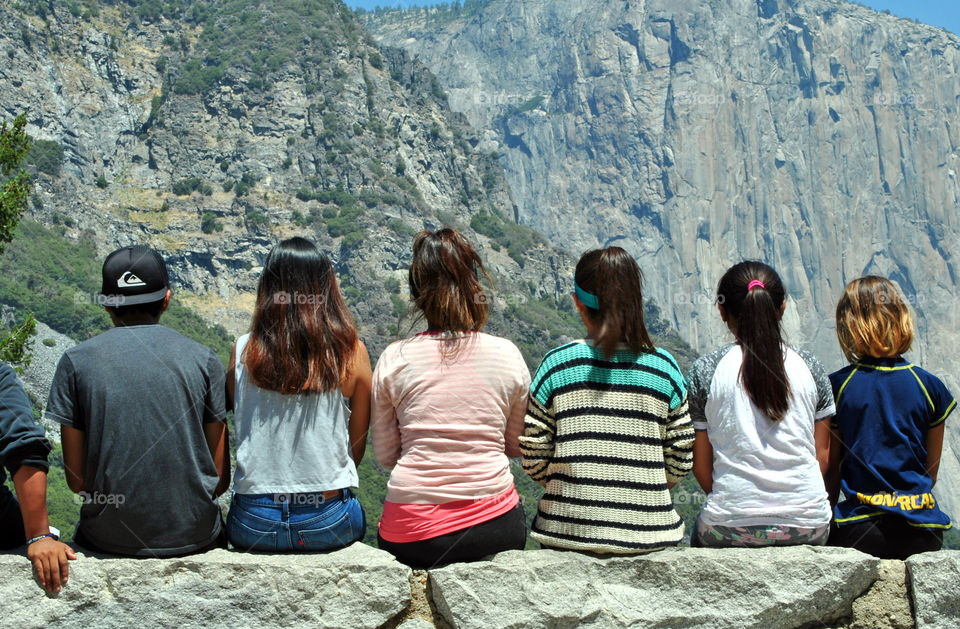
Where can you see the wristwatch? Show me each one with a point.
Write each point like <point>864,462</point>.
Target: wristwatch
<point>55,533</point>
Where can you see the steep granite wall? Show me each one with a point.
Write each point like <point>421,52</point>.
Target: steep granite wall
<point>817,135</point>
<point>363,587</point>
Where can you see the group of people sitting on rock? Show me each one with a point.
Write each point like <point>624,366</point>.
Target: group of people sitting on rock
<point>608,424</point>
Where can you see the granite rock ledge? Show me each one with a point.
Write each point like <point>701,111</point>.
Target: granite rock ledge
<point>364,587</point>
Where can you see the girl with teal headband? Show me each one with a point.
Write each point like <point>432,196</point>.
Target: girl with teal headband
<point>587,299</point>
<point>607,430</point>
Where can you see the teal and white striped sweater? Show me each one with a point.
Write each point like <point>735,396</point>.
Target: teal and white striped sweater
<point>605,437</point>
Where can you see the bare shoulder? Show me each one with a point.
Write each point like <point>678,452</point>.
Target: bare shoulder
<point>357,369</point>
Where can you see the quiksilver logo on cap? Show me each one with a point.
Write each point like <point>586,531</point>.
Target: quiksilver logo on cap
<point>128,280</point>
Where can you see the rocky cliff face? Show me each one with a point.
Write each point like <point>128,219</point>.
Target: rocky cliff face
<point>816,135</point>
<point>182,132</point>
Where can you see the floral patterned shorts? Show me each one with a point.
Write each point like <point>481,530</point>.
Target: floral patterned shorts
<point>752,536</point>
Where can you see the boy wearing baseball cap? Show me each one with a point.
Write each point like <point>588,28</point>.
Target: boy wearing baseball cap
<point>143,422</point>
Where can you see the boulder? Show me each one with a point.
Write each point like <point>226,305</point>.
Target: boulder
<point>689,587</point>
<point>358,586</point>
<point>933,581</point>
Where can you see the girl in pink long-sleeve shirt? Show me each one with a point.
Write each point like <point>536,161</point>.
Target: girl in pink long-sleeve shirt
<point>448,409</point>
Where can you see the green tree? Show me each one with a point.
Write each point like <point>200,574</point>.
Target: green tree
<point>209,223</point>
<point>14,195</point>
<point>15,190</point>
<point>15,349</point>
<point>47,156</point>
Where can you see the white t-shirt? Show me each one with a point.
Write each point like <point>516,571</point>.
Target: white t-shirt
<point>764,472</point>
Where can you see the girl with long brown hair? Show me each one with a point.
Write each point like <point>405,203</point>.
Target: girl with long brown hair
<point>760,410</point>
<point>607,429</point>
<point>300,386</point>
<point>448,407</point>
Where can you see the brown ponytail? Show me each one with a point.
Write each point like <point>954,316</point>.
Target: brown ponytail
<point>444,281</point>
<point>612,275</point>
<point>752,293</point>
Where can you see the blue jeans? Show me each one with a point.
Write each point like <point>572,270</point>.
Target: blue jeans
<point>285,522</point>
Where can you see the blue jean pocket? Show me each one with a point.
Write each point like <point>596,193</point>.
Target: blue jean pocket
<point>246,537</point>
<point>342,531</point>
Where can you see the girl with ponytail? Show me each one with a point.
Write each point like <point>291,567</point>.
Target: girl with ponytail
<point>607,430</point>
<point>759,409</point>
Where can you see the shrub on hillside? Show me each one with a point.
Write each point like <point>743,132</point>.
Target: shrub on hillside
<point>46,156</point>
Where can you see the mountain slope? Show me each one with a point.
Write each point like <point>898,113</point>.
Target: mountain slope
<point>213,129</point>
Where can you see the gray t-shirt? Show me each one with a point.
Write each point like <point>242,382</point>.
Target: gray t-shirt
<point>141,394</point>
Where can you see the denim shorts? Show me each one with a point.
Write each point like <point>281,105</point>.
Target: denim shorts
<point>295,522</point>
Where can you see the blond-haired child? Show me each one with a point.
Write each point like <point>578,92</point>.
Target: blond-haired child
<point>887,435</point>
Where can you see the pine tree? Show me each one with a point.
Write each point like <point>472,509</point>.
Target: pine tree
<point>15,190</point>
<point>14,194</point>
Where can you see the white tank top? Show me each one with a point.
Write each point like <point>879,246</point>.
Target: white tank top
<point>291,443</point>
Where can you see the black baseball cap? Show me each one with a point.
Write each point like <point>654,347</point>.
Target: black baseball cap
<point>133,275</point>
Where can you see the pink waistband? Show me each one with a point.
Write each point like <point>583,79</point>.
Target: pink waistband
<point>402,523</point>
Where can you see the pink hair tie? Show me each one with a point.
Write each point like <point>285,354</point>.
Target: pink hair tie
<point>755,284</point>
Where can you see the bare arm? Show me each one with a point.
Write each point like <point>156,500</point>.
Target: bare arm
<point>703,461</point>
<point>821,440</point>
<point>230,381</point>
<point>514,428</point>
<point>934,449</point>
<point>832,477</point>
<point>357,389</point>
<point>516,419</point>
<point>384,427</point>
<point>74,444</point>
<point>49,557</point>
<point>218,442</point>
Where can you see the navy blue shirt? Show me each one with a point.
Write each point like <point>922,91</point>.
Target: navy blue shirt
<point>22,440</point>
<point>885,406</point>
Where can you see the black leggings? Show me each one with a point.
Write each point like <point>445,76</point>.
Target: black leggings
<point>505,532</point>
<point>886,537</point>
